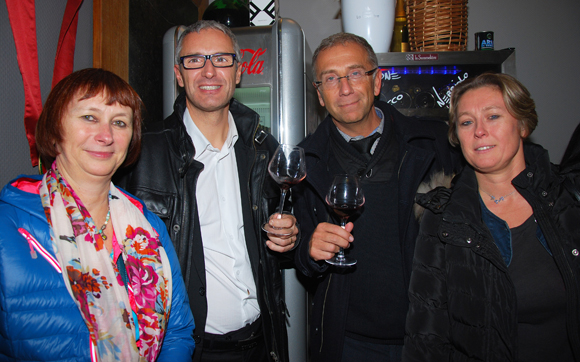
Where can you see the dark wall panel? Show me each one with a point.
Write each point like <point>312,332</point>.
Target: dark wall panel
<point>148,22</point>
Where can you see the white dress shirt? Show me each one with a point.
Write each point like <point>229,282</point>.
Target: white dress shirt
<point>230,287</point>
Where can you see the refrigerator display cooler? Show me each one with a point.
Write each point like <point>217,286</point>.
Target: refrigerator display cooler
<point>420,84</point>
<point>276,83</point>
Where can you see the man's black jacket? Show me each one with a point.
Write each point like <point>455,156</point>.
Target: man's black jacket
<point>165,178</point>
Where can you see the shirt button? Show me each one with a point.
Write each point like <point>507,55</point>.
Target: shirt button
<point>544,193</point>
<point>255,207</point>
<point>575,252</point>
<point>202,291</point>
<point>469,240</point>
<point>530,174</point>
<point>176,228</point>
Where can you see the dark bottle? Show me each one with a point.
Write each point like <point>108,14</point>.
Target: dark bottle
<point>400,41</point>
<point>233,13</point>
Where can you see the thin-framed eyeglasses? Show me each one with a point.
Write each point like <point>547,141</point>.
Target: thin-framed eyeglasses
<point>330,80</point>
<point>197,61</point>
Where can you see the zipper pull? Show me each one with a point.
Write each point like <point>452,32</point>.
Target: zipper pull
<point>28,238</point>
<point>32,251</point>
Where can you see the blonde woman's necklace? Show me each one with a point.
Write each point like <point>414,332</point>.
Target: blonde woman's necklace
<point>499,199</point>
<point>102,229</point>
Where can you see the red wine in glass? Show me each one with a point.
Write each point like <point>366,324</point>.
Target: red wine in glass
<point>345,198</point>
<point>345,211</point>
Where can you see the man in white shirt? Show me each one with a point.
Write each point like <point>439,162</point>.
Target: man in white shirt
<point>204,171</point>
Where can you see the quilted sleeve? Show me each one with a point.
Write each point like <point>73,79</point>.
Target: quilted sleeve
<point>427,327</point>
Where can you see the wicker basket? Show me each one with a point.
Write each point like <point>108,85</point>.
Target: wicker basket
<point>437,25</point>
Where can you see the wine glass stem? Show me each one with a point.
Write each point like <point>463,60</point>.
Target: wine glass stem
<point>340,254</point>
<point>282,198</point>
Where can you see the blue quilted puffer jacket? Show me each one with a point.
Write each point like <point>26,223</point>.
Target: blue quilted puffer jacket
<point>39,320</point>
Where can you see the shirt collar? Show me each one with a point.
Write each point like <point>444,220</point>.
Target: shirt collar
<point>201,143</point>
<point>379,129</point>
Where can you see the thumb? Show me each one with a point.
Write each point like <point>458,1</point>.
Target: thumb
<point>349,226</point>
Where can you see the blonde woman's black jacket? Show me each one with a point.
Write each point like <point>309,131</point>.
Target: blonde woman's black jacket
<point>470,314</point>
<point>165,178</point>
<point>571,156</point>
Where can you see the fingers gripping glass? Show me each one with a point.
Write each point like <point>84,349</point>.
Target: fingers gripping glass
<point>345,198</point>
<point>331,80</point>
<point>197,61</point>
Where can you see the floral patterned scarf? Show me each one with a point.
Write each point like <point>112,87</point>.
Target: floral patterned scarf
<point>93,280</point>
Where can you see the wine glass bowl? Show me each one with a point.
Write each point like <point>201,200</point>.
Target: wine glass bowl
<point>345,198</point>
<point>287,167</point>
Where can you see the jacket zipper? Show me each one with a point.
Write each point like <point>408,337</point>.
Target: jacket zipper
<point>93,352</point>
<point>543,219</point>
<point>35,247</point>
<point>259,240</point>
<point>323,310</point>
<point>401,165</point>
<point>183,173</point>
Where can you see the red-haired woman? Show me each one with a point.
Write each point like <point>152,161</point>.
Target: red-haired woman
<point>86,272</point>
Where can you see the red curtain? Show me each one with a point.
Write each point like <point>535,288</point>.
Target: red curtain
<point>23,22</point>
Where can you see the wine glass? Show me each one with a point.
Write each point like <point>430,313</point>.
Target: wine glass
<point>345,197</point>
<point>287,167</point>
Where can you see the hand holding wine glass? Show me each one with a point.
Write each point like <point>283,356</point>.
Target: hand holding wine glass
<point>287,167</point>
<point>345,197</point>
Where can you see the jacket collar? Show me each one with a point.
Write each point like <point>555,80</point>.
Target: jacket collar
<point>466,211</point>
<point>317,149</point>
<point>537,175</point>
<point>22,198</point>
<point>404,131</point>
<point>539,172</point>
<point>246,121</point>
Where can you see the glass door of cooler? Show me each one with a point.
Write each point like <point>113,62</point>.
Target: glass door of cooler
<point>420,84</point>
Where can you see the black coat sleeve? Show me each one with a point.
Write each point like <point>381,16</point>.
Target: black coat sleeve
<point>428,326</point>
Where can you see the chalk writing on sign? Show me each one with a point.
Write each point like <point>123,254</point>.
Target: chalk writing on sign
<point>443,99</point>
<point>403,99</point>
<point>388,75</point>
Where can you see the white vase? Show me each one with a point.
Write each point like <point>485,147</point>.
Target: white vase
<point>373,20</point>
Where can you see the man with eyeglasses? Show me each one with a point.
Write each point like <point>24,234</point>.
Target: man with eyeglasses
<point>203,170</point>
<point>358,312</point>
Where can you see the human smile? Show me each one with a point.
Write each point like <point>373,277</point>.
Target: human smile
<point>209,87</point>
<point>100,154</point>
<point>484,148</point>
<point>348,104</point>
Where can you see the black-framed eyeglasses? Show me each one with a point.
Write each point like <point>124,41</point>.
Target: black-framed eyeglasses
<point>331,80</point>
<point>197,61</point>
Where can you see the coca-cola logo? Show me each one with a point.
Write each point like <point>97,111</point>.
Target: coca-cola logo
<point>254,66</point>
